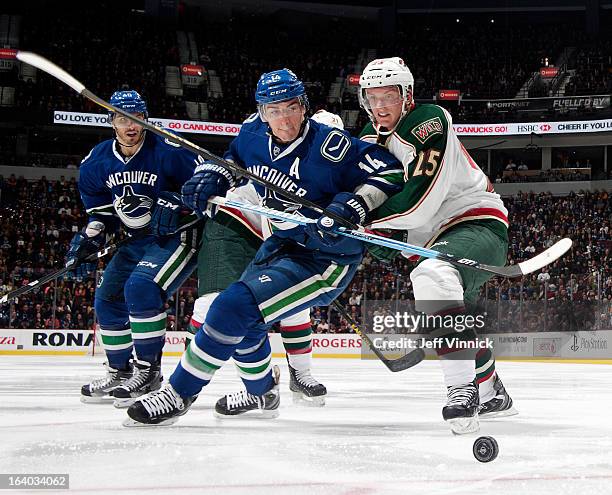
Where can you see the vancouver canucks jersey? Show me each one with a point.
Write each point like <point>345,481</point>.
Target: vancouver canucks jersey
<point>320,163</point>
<point>112,186</point>
<point>444,186</point>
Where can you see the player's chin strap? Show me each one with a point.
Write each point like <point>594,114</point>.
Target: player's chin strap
<point>142,134</point>
<point>383,131</point>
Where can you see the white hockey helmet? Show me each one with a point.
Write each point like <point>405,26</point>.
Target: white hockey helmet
<point>328,118</point>
<point>386,72</point>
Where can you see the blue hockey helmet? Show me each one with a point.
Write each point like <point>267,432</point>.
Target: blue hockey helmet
<point>280,85</point>
<point>130,101</point>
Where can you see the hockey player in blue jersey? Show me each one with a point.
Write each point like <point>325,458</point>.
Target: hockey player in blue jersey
<point>296,267</point>
<point>120,182</point>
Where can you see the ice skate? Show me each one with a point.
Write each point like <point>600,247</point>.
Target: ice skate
<point>100,390</point>
<point>244,404</point>
<point>160,408</point>
<point>147,377</point>
<point>499,406</point>
<point>461,410</point>
<point>306,390</point>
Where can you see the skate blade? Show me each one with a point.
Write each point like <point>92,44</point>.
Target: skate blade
<point>132,423</point>
<point>303,400</point>
<point>463,426</point>
<point>103,399</point>
<point>259,414</point>
<point>499,414</point>
<point>124,403</point>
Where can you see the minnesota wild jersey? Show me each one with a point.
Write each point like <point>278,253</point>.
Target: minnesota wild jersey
<point>444,186</point>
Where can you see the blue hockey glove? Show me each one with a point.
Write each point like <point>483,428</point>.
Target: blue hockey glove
<point>169,214</point>
<point>84,270</point>
<point>346,205</point>
<point>209,180</point>
<point>90,240</point>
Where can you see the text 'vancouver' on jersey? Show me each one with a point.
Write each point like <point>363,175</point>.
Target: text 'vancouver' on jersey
<point>321,162</point>
<point>114,186</point>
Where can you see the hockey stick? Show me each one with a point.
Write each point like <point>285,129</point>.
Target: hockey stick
<point>58,273</point>
<point>523,268</point>
<point>409,360</point>
<point>50,68</point>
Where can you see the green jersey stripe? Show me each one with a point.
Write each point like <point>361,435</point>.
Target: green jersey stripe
<point>254,370</point>
<point>192,370</point>
<point>148,327</point>
<point>300,290</point>
<point>303,295</point>
<point>118,340</point>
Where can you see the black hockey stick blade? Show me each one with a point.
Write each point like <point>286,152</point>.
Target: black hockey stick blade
<point>414,357</point>
<point>50,68</point>
<point>409,360</point>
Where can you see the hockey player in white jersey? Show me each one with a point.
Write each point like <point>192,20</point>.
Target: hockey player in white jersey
<point>447,204</point>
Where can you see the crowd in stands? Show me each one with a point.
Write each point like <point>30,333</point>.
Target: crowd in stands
<point>483,60</point>
<point>38,219</point>
<point>103,53</point>
<point>46,160</point>
<point>593,65</point>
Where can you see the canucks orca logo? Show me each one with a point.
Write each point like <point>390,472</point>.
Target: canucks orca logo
<point>271,200</point>
<point>133,209</point>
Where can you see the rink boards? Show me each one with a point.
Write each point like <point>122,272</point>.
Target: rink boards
<point>581,346</point>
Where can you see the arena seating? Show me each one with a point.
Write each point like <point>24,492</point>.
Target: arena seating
<point>37,221</point>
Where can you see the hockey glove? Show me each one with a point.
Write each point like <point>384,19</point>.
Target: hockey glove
<point>346,205</point>
<point>90,240</point>
<point>382,253</point>
<point>209,180</point>
<point>169,215</point>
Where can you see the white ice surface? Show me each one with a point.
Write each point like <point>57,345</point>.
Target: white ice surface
<point>379,433</point>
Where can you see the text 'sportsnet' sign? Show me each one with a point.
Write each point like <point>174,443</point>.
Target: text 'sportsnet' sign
<point>224,129</point>
<point>556,104</point>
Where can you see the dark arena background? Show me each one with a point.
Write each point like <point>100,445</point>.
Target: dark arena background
<point>528,84</point>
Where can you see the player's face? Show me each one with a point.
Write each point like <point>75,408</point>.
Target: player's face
<point>386,104</point>
<point>285,119</point>
<point>128,132</point>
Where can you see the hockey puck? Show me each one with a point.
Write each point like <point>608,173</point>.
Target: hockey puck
<point>485,449</point>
